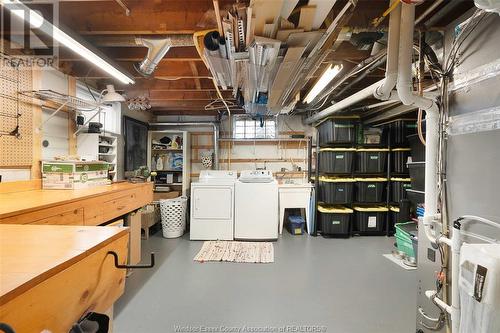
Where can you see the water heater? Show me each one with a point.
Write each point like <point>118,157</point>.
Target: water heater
<point>479,285</point>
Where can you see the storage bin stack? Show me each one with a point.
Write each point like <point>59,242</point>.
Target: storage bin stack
<point>417,171</point>
<point>400,162</point>
<point>370,211</point>
<point>335,186</point>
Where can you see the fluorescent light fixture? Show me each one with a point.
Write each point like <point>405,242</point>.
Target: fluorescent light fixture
<point>36,20</point>
<point>327,76</point>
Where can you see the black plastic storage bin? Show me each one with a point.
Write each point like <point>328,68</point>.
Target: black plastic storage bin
<point>417,148</point>
<point>394,215</point>
<point>335,190</point>
<point>400,129</point>
<point>336,130</point>
<point>371,160</point>
<point>336,160</point>
<point>417,175</point>
<point>416,197</point>
<point>370,190</point>
<point>370,220</point>
<point>398,215</point>
<point>399,158</point>
<point>335,220</point>
<point>398,189</point>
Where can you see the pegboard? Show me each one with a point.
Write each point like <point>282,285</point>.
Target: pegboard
<point>15,152</point>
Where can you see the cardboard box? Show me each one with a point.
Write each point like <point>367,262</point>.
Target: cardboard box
<point>68,175</point>
<point>165,195</point>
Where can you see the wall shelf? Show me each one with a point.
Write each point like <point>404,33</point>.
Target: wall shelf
<point>88,147</point>
<point>181,178</point>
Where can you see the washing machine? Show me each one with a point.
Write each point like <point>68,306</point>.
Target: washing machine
<point>256,206</point>
<point>212,205</point>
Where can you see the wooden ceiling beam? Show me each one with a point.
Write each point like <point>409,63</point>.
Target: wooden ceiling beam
<point>134,32</point>
<point>192,95</point>
<point>133,59</point>
<point>183,104</point>
<point>146,17</point>
<point>167,112</point>
<point>166,71</point>
<point>194,70</point>
<point>164,85</point>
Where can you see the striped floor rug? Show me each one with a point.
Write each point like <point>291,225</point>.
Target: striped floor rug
<point>241,252</point>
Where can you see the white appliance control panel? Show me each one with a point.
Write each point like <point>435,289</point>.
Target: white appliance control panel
<point>256,176</point>
<point>209,175</point>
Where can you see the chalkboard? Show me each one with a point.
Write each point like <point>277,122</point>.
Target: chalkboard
<point>135,134</point>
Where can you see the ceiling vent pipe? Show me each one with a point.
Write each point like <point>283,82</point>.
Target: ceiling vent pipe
<point>383,92</point>
<point>157,49</point>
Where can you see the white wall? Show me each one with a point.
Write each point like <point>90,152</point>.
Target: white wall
<point>55,130</point>
<point>289,152</point>
<point>11,175</point>
<point>52,79</point>
<point>55,133</point>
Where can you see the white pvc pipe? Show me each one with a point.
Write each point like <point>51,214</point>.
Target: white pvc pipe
<point>408,97</point>
<point>382,89</point>
<point>471,218</point>
<point>383,92</point>
<point>404,83</point>
<point>455,273</point>
<point>455,244</point>
<point>345,103</point>
<point>432,294</point>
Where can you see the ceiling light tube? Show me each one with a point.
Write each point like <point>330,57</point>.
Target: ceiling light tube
<point>19,10</point>
<point>327,76</point>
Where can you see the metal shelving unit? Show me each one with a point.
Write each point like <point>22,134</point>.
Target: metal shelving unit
<point>314,176</point>
<point>62,101</point>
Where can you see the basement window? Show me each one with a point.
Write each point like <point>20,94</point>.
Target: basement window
<point>247,128</point>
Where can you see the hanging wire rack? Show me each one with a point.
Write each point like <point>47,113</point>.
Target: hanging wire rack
<point>64,101</point>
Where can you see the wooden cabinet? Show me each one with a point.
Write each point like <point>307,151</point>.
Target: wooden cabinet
<point>66,272</point>
<point>92,206</point>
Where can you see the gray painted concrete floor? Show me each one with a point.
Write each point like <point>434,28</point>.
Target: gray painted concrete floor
<point>341,285</point>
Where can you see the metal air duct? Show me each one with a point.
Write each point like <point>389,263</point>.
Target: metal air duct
<point>157,49</point>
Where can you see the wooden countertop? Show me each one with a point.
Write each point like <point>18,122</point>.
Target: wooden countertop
<point>23,202</point>
<point>31,254</point>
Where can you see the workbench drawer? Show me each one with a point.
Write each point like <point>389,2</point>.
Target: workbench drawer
<point>50,216</point>
<point>119,206</point>
<point>72,217</point>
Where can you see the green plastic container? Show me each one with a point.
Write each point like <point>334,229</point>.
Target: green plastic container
<point>404,231</point>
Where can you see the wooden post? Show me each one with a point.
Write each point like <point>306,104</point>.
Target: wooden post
<point>71,118</point>
<point>133,221</point>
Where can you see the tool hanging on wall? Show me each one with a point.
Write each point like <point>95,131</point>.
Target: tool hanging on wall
<point>15,132</point>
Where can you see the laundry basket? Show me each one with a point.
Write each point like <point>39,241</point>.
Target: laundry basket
<point>173,216</point>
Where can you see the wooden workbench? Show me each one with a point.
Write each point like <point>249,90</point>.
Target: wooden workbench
<point>92,206</point>
<point>50,276</point>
